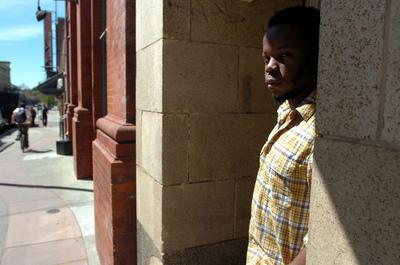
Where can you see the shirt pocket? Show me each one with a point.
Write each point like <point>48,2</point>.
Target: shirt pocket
<point>279,198</point>
<point>287,185</point>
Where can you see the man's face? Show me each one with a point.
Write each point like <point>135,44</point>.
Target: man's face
<point>285,62</point>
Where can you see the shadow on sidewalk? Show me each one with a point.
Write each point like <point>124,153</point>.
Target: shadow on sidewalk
<point>8,132</point>
<point>43,187</point>
<point>39,151</point>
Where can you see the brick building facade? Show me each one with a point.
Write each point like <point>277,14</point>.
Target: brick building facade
<point>102,134</point>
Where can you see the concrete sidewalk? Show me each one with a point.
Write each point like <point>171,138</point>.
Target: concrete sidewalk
<point>46,215</point>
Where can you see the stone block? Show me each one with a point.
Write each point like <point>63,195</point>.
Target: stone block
<point>391,131</point>
<point>149,15</point>
<point>233,22</point>
<point>175,156</point>
<point>197,214</point>
<point>176,20</point>
<point>149,78</point>
<point>349,77</point>
<point>149,207</point>
<point>199,77</point>
<point>151,144</point>
<point>243,194</point>
<point>226,146</point>
<point>147,251</point>
<point>164,147</point>
<point>139,139</point>
<point>253,95</point>
<point>354,204</point>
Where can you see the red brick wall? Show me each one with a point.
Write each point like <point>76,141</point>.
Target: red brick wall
<point>84,62</point>
<point>48,43</point>
<point>121,59</point>
<point>115,203</point>
<point>83,119</point>
<point>96,61</point>
<point>72,67</point>
<point>114,147</point>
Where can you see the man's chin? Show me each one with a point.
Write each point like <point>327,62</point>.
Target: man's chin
<point>279,99</point>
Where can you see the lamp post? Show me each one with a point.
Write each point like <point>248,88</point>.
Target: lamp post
<point>40,14</point>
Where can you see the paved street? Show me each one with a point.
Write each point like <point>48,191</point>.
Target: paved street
<point>46,215</point>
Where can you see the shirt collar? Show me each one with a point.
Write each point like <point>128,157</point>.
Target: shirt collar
<point>306,108</point>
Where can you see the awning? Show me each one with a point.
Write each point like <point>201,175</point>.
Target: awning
<point>52,86</point>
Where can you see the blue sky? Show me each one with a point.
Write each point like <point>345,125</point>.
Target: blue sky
<point>21,38</point>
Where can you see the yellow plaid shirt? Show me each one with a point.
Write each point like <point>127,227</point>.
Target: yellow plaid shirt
<point>280,206</point>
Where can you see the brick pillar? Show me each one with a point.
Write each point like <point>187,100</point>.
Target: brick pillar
<point>114,147</point>
<point>72,67</point>
<point>82,121</point>
<point>96,62</point>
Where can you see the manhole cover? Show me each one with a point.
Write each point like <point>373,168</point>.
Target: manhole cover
<point>52,211</point>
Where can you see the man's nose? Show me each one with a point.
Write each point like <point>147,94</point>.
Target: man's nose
<point>272,65</point>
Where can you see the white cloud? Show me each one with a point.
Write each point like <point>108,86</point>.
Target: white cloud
<point>21,32</point>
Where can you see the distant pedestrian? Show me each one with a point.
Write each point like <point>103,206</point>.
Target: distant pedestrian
<point>33,116</point>
<point>44,115</point>
<point>21,117</point>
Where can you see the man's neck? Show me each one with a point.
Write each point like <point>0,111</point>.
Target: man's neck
<point>295,101</point>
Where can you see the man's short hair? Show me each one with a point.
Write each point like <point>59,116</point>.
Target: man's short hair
<point>306,19</point>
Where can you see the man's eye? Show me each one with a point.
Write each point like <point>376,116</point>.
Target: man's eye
<point>266,59</point>
<point>284,55</point>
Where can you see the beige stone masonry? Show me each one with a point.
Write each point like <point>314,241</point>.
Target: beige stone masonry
<point>197,214</point>
<point>243,194</point>
<point>163,146</point>
<point>151,144</point>
<point>149,15</point>
<point>149,206</point>
<point>350,67</point>
<point>176,22</point>
<point>391,119</point>
<point>233,22</point>
<point>253,95</point>
<point>175,157</point>
<point>355,204</point>
<point>199,77</point>
<point>226,146</point>
<point>149,80</point>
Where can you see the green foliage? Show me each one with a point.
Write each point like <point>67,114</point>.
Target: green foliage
<point>33,97</point>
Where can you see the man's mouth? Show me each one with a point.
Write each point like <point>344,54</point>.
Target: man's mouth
<point>271,80</point>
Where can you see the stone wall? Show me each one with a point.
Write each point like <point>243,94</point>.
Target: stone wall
<point>202,117</point>
<point>355,217</point>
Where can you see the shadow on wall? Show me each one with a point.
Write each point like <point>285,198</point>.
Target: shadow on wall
<point>355,217</point>
<point>226,253</point>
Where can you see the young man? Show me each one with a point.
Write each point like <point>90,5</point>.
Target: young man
<point>280,206</point>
